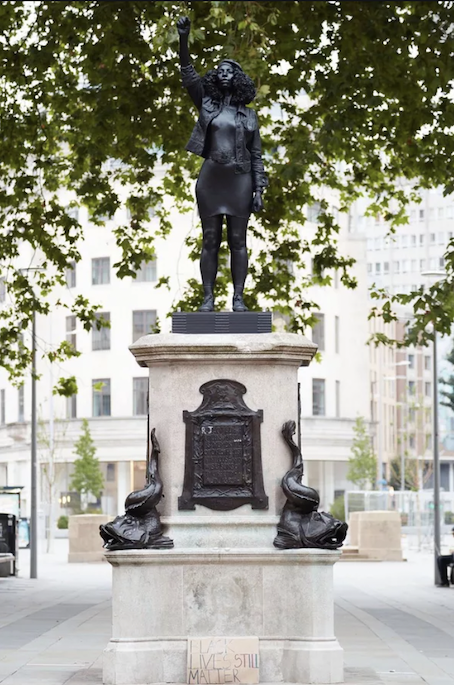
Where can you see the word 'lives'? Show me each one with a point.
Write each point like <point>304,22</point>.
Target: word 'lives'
<point>215,660</point>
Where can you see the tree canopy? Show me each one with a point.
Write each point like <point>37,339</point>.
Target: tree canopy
<point>352,98</point>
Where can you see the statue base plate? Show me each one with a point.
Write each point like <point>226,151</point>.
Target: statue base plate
<point>221,322</point>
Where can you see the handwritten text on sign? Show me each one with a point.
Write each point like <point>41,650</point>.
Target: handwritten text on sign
<point>216,660</point>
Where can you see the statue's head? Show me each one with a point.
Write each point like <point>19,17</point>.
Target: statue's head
<point>229,77</point>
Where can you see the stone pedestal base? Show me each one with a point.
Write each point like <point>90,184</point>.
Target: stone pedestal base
<point>377,534</point>
<point>160,598</point>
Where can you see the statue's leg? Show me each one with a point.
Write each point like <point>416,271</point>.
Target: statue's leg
<point>236,236</point>
<point>212,235</point>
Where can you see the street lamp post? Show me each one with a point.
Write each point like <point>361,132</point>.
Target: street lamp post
<point>34,466</point>
<point>435,276</point>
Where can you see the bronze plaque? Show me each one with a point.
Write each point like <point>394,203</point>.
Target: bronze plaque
<point>223,461</point>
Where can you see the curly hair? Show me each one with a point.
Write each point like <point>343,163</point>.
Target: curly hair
<point>244,89</point>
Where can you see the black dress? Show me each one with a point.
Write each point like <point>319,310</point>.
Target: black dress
<point>219,190</point>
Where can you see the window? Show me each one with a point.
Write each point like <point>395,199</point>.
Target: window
<point>411,361</point>
<point>441,262</point>
<point>110,473</point>
<point>369,244</point>
<point>386,267</point>
<point>101,396</point>
<point>433,238</point>
<point>432,263</point>
<point>100,337</point>
<point>413,215</point>
<point>147,272</point>
<point>421,214</point>
<point>142,322</point>
<point>421,238</point>
<point>440,212</point>
<point>427,363</point>
<point>71,331</point>
<point>2,408</point>
<point>404,241</point>
<point>449,212</point>
<point>432,213</point>
<point>427,389</point>
<point>412,441</point>
<point>441,238</point>
<point>377,243</point>
<point>318,397</point>
<point>396,267</point>
<point>313,211</point>
<point>412,414</point>
<point>413,265</point>
<point>411,387</point>
<point>100,271</point>
<point>422,264</point>
<point>336,335</point>
<point>405,266</point>
<point>70,275</point>
<point>413,240</point>
<point>369,268</point>
<point>2,290</point>
<point>318,331</point>
<point>20,401</point>
<point>338,385</point>
<point>377,268</point>
<point>71,407</point>
<point>139,396</point>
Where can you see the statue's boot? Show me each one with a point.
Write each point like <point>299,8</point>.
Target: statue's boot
<point>238,304</point>
<point>208,300</point>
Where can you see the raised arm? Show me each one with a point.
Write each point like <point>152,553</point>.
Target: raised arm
<point>190,78</point>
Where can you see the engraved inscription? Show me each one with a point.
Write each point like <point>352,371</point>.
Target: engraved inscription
<point>223,454</point>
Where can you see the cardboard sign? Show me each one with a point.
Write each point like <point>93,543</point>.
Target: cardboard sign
<point>217,660</point>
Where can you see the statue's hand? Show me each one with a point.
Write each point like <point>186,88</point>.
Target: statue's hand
<point>257,202</point>
<point>184,26</point>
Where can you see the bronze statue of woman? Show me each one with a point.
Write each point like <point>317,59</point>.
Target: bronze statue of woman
<point>232,176</point>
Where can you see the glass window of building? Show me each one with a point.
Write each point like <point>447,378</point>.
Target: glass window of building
<point>404,239</point>
<point>110,472</point>
<point>413,215</point>
<point>433,238</point>
<point>2,408</point>
<point>21,404</point>
<point>70,275</point>
<point>411,361</point>
<point>377,267</point>
<point>101,396</point>
<point>318,331</point>
<point>413,241</point>
<point>143,321</point>
<point>441,211</point>
<point>313,211</point>
<point>405,265</point>
<point>71,322</point>
<point>100,337</point>
<point>441,238</point>
<point>413,265</point>
<point>377,243</point>
<point>411,387</point>
<point>71,407</point>
<point>100,271</point>
<point>412,414</point>
<point>421,238</point>
<point>338,411</point>
<point>336,334</point>
<point>139,396</point>
<point>412,441</point>
<point>422,264</point>
<point>318,396</point>
<point>396,267</point>
<point>386,267</point>
<point>427,389</point>
<point>427,362</point>
<point>441,262</point>
<point>148,272</point>
<point>369,268</point>
<point>421,214</point>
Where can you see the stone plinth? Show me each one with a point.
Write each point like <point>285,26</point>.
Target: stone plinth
<point>160,598</point>
<point>85,543</point>
<point>377,534</point>
<point>267,365</point>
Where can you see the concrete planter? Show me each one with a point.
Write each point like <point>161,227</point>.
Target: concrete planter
<point>85,543</point>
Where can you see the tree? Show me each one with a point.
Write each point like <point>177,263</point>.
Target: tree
<point>87,477</point>
<point>362,465</point>
<point>50,438</point>
<point>91,103</point>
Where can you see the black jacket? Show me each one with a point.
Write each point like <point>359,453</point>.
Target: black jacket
<point>248,147</point>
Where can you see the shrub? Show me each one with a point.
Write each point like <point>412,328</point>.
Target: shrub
<point>62,523</point>
<point>337,509</point>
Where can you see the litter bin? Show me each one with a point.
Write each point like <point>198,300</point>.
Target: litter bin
<point>8,536</point>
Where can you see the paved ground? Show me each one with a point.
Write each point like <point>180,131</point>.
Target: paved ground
<point>394,625</point>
